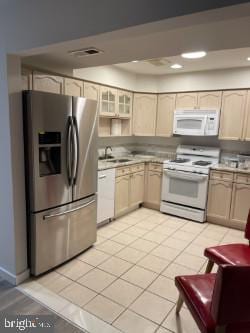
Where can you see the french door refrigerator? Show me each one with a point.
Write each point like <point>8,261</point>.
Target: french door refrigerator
<point>61,176</point>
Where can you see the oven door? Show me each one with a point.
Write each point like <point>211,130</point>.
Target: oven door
<point>190,124</point>
<point>185,188</point>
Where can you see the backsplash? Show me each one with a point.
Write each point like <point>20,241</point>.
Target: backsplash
<point>163,146</point>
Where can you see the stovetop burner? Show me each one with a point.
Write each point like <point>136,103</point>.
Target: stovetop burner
<point>180,160</point>
<point>202,163</point>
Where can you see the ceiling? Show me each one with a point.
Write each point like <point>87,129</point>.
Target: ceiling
<point>208,31</point>
<point>213,60</point>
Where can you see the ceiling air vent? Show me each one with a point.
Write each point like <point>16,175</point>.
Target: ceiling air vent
<point>158,62</point>
<point>85,52</point>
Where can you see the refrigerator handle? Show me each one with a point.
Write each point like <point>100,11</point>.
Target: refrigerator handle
<point>76,151</point>
<point>69,148</point>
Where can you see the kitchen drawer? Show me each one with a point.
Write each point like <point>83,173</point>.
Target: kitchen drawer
<point>137,167</point>
<point>122,171</point>
<point>155,167</point>
<point>222,175</point>
<point>242,178</point>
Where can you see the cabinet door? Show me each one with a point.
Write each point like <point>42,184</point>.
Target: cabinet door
<point>47,83</point>
<point>209,100</point>
<point>122,191</point>
<point>186,101</point>
<point>153,188</point>
<point>246,134</point>
<point>165,114</point>
<point>219,199</point>
<point>91,90</point>
<point>137,188</point>
<point>108,101</point>
<point>240,205</point>
<point>124,104</point>
<point>232,114</point>
<point>73,87</point>
<point>144,114</point>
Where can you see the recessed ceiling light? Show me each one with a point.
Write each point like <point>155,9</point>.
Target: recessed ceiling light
<point>248,58</point>
<point>194,55</point>
<point>135,60</point>
<point>176,66</point>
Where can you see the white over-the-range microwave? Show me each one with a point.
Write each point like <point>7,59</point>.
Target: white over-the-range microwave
<point>196,122</point>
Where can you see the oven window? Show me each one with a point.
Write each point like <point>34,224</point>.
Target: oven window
<point>195,124</point>
<point>183,187</point>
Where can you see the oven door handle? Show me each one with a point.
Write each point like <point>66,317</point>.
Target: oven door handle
<point>185,175</point>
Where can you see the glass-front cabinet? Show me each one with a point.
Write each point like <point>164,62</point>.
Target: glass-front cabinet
<point>108,102</point>
<point>124,104</point>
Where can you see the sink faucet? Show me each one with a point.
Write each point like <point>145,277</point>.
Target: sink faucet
<point>106,150</point>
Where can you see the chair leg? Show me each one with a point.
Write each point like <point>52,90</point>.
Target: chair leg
<point>210,266</point>
<point>179,304</point>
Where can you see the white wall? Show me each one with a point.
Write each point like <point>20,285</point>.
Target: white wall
<point>204,80</point>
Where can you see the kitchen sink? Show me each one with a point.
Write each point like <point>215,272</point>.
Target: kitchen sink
<point>105,158</point>
<point>121,160</point>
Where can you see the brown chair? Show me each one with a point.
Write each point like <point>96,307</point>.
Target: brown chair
<point>231,254</point>
<point>219,303</point>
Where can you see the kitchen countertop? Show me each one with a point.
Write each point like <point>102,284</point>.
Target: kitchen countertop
<point>222,167</point>
<point>106,164</point>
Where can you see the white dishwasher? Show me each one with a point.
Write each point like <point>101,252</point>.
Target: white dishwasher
<point>106,195</point>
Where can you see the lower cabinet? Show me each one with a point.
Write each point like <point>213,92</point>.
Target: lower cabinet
<point>122,191</point>
<point>219,200</point>
<point>240,205</point>
<point>229,200</point>
<point>129,189</point>
<point>153,184</point>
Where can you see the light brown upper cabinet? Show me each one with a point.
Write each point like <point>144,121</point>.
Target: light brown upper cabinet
<point>232,114</point>
<point>73,87</point>
<point>186,100</point>
<point>209,100</point>
<point>124,99</point>
<point>91,91</point>
<point>165,114</point>
<point>108,101</point>
<point>144,114</point>
<point>47,83</point>
<point>200,100</point>
<point>246,129</point>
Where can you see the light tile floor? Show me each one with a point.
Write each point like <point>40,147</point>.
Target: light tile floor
<point>127,278</point>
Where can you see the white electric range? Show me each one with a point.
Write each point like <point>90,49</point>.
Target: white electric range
<point>185,181</point>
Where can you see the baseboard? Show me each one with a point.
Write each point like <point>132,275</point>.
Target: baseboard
<point>14,279</point>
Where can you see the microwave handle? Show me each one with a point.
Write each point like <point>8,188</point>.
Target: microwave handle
<point>204,125</point>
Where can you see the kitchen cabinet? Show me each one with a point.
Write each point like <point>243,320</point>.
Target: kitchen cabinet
<point>91,90</point>
<point>137,188</point>
<point>129,188</point>
<point>108,101</point>
<point>186,101</point>
<point>232,115</point>
<point>201,100</point>
<point>106,195</point>
<point>73,87</point>
<point>209,100</point>
<point>240,205</point>
<point>165,114</point>
<point>47,83</point>
<point>122,194</point>
<point>246,130</point>
<point>124,109</point>
<point>153,185</point>
<point>144,114</point>
<point>219,200</point>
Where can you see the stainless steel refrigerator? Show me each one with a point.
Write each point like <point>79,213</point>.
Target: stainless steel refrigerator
<point>61,176</point>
